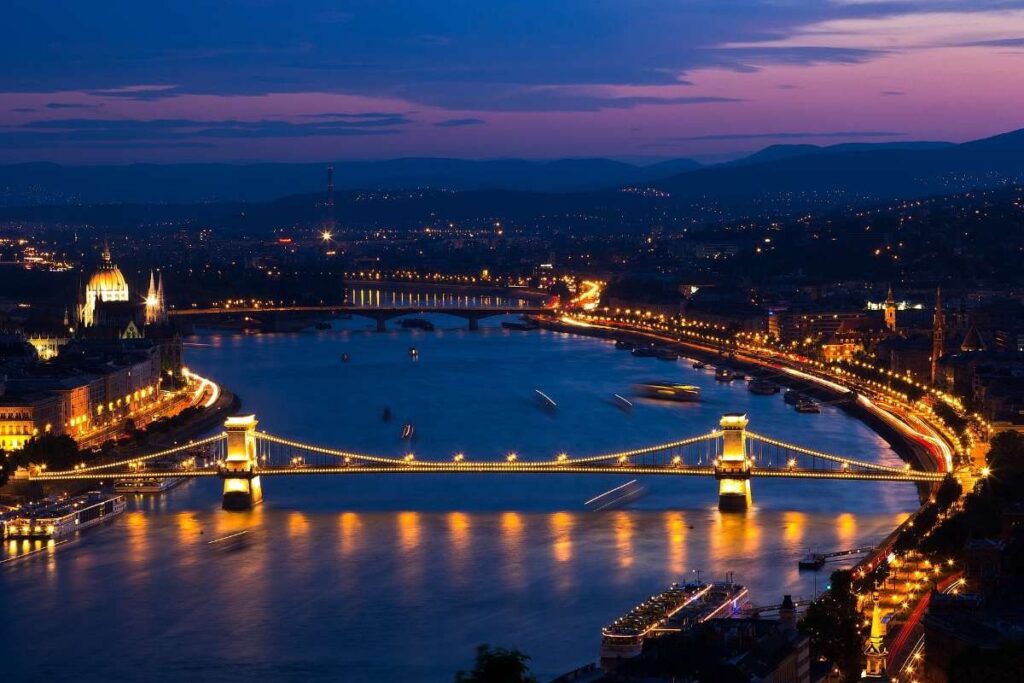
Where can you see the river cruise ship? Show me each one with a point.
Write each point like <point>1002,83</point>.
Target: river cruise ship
<point>57,519</point>
<point>148,485</point>
<point>679,608</point>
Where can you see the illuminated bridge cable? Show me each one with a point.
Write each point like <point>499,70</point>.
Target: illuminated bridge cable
<point>153,456</point>
<point>620,455</point>
<point>852,462</point>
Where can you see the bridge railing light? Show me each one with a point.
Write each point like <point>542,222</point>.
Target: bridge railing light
<point>562,458</point>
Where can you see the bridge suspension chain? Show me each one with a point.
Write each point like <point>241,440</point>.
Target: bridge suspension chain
<point>151,456</point>
<point>853,462</point>
<point>620,456</point>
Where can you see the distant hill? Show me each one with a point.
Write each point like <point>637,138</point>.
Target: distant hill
<point>779,180</point>
<point>859,172</point>
<point>46,183</point>
<point>779,152</point>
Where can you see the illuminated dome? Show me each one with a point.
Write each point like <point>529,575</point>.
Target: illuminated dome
<point>106,284</point>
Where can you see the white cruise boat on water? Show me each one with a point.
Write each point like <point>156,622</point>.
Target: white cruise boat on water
<point>63,517</point>
<point>679,608</point>
<point>147,485</point>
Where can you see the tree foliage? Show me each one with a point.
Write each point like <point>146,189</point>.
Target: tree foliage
<point>832,625</point>
<point>497,665</point>
<point>56,452</point>
<point>1006,464</point>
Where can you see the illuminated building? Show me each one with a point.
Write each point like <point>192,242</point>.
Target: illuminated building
<point>875,652</point>
<point>16,424</point>
<point>106,285</point>
<point>852,337</point>
<point>156,306</point>
<point>890,311</point>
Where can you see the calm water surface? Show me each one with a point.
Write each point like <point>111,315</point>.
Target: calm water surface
<point>398,578</point>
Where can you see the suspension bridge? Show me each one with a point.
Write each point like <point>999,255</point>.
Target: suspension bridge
<point>241,456</point>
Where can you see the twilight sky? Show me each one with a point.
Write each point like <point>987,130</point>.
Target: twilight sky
<point>309,80</point>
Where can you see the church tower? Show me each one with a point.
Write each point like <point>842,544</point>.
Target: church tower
<point>156,310</point>
<point>875,652</point>
<point>890,311</point>
<point>938,335</point>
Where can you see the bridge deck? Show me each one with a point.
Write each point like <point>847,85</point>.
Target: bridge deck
<point>363,310</point>
<point>489,468</point>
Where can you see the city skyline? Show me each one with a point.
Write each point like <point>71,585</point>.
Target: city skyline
<point>367,81</point>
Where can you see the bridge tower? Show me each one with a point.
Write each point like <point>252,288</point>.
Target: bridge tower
<point>242,489</point>
<point>732,469</point>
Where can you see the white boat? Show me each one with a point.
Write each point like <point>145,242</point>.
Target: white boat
<point>148,485</point>
<point>56,519</point>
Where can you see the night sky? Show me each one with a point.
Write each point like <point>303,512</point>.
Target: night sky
<point>295,80</point>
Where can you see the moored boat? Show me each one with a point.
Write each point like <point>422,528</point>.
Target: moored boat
<point>63,517</point>
<point>812,561</point>
<point>806,405</point>
<point>624,637</point>
<point>623,345</point>
<point>521,325</point>
<point>680,608</point>
<point>665,353</point>
<point>724,374</point>
<point>762,387</point>
<point>792,397</point>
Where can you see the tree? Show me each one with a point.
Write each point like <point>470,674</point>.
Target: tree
<point>948,493</point>
<point>497,665</point>
<point>1006,464</point>
<point>7,465</point>
<point>561,290</point>
<point>56,452</point>
<point>832,625</point>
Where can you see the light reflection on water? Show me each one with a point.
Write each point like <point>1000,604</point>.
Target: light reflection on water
<point>399,578</point>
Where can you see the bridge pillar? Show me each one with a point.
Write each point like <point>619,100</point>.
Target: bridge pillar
<point>242,489</point>
<point>732,470</point>
<point>474,323</point>
<point>381,323</point>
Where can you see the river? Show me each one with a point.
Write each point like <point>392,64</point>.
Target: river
<point>398,578</point>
